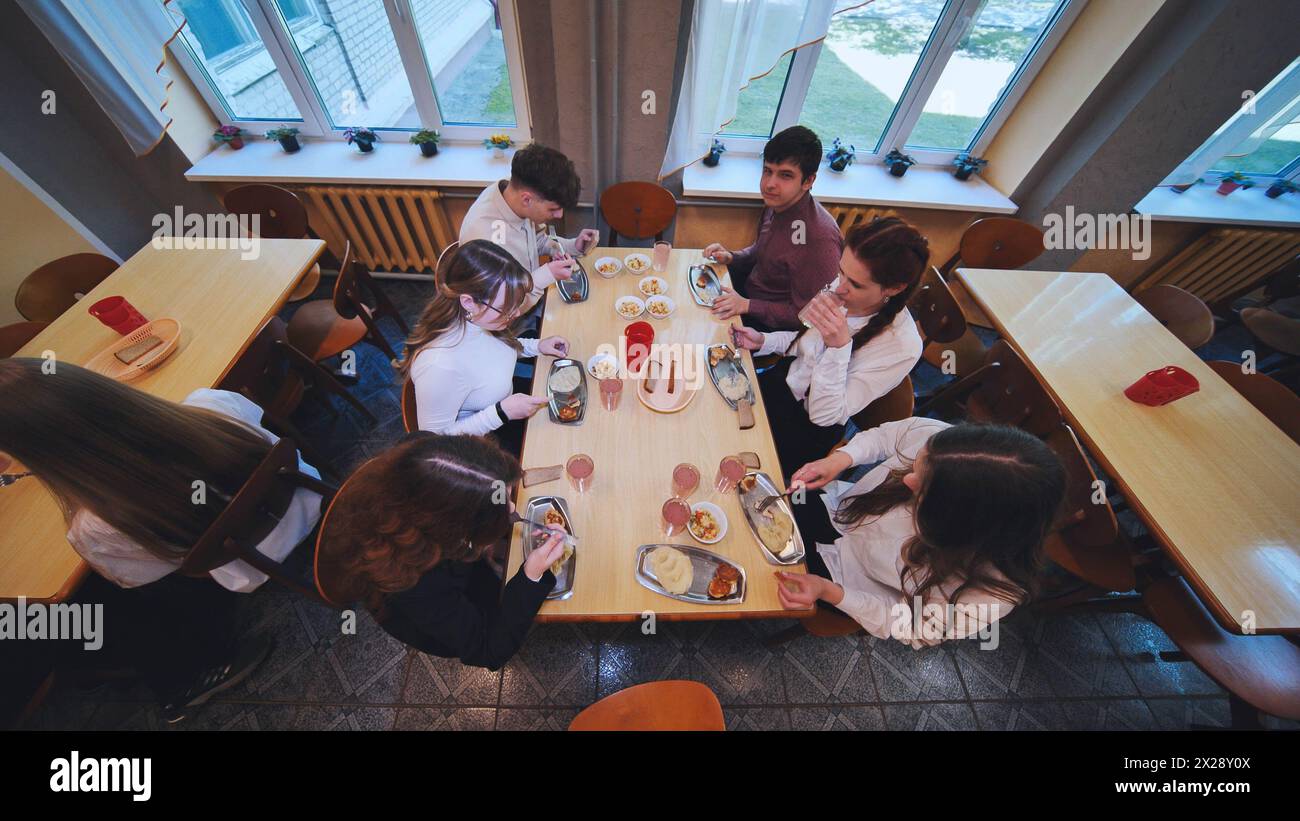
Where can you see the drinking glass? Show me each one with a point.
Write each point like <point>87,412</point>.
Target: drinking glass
<point>660,260</point>
<point>611,390</point>
<point>674,515</point>
<point>686,478</point>
<point>730,471</point>
<point>580,469</point>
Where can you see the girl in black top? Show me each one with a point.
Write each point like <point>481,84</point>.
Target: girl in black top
<point>407,536</point>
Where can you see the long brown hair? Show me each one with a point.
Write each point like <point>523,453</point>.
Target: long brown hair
<point>129,458</point>
<point>429,499</point>
<point>989,495</point>
<point>477,269</point>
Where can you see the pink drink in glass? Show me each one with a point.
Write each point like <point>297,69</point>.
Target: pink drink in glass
<point>579,469</point>
<point>660,260</point>
<point>730,471</point>
<point>686,478</point>
<point>675,514</point>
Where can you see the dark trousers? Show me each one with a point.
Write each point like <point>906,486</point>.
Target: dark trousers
<point>798,440</point>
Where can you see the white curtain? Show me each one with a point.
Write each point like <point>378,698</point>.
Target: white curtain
<point>733,42</point>
<point>118,50</point>
<point>1259,118</point>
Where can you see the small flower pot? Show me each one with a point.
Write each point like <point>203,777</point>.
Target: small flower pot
<point>963,174</point>
<point>840,164</point>
<point>898,169</point>
<point>428,149</point>
<point>498,153</point>
<point>289,144</point>
<point>1274,191</point>
<point>712,159</point>
<point>1178,189</point>
<point>236,143</point>
<point>1228,186</point>
<point>365,147</point>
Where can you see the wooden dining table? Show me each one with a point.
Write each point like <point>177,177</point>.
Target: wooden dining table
<point>221,300</point>
<point>635,449</point>
<point>1216,482</point>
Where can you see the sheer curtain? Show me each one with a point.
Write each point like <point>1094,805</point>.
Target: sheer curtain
<point>118,50</point>
<point>733,42</point>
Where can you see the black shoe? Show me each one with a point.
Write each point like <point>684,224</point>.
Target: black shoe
<point>216,679</point>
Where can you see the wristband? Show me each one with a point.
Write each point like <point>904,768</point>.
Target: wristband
<point>501,414</point>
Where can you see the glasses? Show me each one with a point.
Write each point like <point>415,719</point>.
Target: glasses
<point>511,315</point>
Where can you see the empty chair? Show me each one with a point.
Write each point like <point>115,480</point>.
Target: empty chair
<point>1269,396</point>
<point>15,336</point>
<point>280,215</point>
<point>943,326</point>
<point>1003,391</point>
<point>1002,243</point>
<point>637,210</point>
<point>324,328</point>
<point>55,286</point>
<point>824,624</point>
<point>1184,314</point>
<point>659,705</point>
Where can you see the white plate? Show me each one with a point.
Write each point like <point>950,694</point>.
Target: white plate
<point>625,300</point>
<point>628,261</point>
<point>647,282</point>
<point>717,514</point>
<point>660,300</point>
<point>615,261</point>
<point>602,357</point>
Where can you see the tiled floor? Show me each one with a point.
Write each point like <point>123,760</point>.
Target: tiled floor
<point>1048,672</point>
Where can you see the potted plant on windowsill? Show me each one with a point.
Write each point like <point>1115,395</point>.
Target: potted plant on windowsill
<point>231,135</point>
<point>1280,187</point>
<point>498,143</point>
<point>1232,181</point>
<point>967,165</point>
<point>897,162</point>
<point>427,140</point>
<point>840,157</point>
<point>286,137</point>
<point>363,137</point>
<point>715,153</point>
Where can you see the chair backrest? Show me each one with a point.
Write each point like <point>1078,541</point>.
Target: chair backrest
<point>262,374</point>
<point>57,285</point>
<point>1269,396</point>
<point>347,288</point>
<point>895,405</point>
<point>281,215</point>
<point>13,337</point>
<point>1007,393</point>
<point>410,416</point>
<point>1000,242</point>
<point>1089,521</point>
<point>936,310</point>
<point>638,210</point>
<point>1184,314</point>
<point>659,705</point>
<point>326,570</point>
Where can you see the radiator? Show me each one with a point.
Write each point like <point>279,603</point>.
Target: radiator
<point>1225,263</point>
<point>391,229</point>
<point>848,216</point>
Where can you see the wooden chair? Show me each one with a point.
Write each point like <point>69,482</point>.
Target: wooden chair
<point>895,405</point>
<point>324,328</point>
<point>1002,391</point>
<point>1184,314</point>
<point>55,286</point>
<point>637,210</point>
<point>281,215</point>
<point>943,325</point>
<point>1269,396</point>
<point>1260,673</point>
<point>410,416</point>
<point>252,513</point>
<point>825,623</point>
<point>13,337</point>
<point>659,705</point>
<point>1002,243</point>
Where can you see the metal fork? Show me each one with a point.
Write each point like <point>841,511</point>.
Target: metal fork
<point>7,479</point>
<point>771,500</point>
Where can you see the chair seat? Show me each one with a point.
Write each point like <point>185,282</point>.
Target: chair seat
<point>317,330</point>
<point>1263,671</point>
<point>15,336</point>
<point>969,350</point>
<point>659,705</point>
<point>1109,567</point>
<point>829,624</point>
<point>307,285</point>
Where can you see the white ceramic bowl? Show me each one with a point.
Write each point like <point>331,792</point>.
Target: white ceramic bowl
<point>648,286</point>
<point>599,358</point>
<point>637,263</point>
<point>717,515</point>
<point>628,300</point>
<point>664,301</point>
<point>606,261</point>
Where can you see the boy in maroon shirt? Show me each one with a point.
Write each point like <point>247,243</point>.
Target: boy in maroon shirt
<point>798,246</point>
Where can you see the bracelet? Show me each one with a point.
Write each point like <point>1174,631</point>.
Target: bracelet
<point>501,414</point>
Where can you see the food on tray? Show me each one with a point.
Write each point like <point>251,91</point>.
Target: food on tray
<point>719,589</point>
<point>653,286</point>
<point>774,529</point>
<point>748,483</point>
<point>553,517</point>
<point>734,386</point>
<point>566,380</point>
<point>727,572</point>
<point>717,354</point>
<point>637,263</point>
<point>672,568</point>
<point>133,352</point>
<point>567,413</point>
<point>724,581</point>
<point>704,280</point>
<point>704,525</point>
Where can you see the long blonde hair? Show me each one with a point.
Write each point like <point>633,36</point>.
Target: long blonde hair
<point>477,269</point>
<point>129,458</point>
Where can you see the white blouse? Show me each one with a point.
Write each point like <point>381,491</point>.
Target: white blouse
<point>460,376</point>
<point>127,564</point>
<point>835,383</point>
<point>867,560</point>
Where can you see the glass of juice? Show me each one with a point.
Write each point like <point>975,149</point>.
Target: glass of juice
<point>675,514</point>
<point>660,259</point>
<point>730,471</point>
<point>611,390</point>
<point>686,478</point>
<point>827,296</point>
<point>579,469</point>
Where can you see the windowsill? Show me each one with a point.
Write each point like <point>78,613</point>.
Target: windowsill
<point>1201,203</point>
<point>864,183</point>
<point>335,162</point>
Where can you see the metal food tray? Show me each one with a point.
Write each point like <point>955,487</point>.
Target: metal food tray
<point>749,500</point>
<point>704,563</point>
<point>534,513</point>
<point>728,365</point>
<point>704,295</point>
<point>577,288</point>
<point>557,400</point>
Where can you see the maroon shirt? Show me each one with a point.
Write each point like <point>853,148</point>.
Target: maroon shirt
<point>783,276</point>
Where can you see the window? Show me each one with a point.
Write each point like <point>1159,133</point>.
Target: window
<point>933,77</point>
<point>326,65</point>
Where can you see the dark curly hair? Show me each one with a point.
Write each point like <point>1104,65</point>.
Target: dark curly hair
<point>429,499</point>
<point>798,144</point>
<point>548,173</point>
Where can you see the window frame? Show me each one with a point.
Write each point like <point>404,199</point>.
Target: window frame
<point>955,21</point>
<point>315,120</point>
